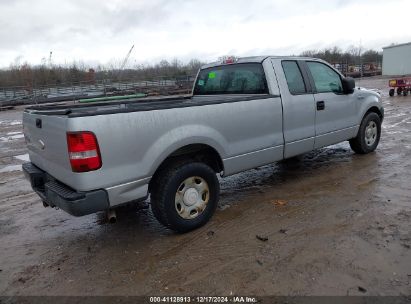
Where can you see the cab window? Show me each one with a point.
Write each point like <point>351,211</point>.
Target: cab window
<point>294,77</point>
<point>244,78</point>
<point>325,78</point>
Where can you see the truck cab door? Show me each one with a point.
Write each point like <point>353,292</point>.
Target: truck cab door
<point>335,111</point>
<point>298,107</point>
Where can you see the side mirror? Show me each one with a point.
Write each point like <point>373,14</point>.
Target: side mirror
<point>348,84</point>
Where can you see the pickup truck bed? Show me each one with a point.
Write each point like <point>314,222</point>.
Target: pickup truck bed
<point>135,105</point>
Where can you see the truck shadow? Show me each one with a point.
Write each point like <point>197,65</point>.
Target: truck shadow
<point>286,171</point>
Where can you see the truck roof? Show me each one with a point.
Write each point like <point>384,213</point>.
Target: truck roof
<point>256,59</point>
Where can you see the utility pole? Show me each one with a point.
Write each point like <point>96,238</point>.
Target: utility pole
<point>50,56</point>
<point>360,53</point>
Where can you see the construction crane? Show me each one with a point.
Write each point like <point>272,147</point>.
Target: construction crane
<point>125,62</point>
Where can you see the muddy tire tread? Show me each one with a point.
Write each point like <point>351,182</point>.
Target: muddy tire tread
<point>357,143</point>
<point>160,190</point>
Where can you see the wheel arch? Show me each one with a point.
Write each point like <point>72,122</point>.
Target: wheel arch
<point>374,109</point>
<point>196,152</point>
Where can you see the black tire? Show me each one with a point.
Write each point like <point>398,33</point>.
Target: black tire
<point>164,189</point>
<point>359,143</point>
<point>405,93</point>
<point>392,92</point>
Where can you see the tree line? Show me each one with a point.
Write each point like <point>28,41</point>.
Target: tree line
<point>49,74</point>
<point>46,74</point>
<point>353,55</point>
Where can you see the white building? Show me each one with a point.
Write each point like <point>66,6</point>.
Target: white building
<point>396,59</point>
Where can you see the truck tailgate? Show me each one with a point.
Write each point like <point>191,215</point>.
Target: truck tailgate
<point>47,143</point>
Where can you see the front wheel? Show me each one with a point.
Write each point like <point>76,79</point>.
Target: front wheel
<point>184,195</point>
<point>368,135</point>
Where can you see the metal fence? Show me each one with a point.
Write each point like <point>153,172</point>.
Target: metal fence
<point>50,93</point>
<point>364,69</point>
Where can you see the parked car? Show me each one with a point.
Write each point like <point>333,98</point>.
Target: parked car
<point>243,113</point>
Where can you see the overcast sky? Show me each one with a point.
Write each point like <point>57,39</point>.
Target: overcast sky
<point>97,31</point>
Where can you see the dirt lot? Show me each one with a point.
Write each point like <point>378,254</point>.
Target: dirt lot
<point>336,223</point>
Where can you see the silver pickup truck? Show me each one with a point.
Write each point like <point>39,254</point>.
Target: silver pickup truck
<point>243,113</point>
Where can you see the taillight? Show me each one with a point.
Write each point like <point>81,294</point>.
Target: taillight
<point>83,151</point>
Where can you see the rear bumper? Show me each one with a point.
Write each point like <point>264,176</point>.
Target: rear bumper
<point>59,195</point>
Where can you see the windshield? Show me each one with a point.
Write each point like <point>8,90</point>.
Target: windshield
<point>244,78</point>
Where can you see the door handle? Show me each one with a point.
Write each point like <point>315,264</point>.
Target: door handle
<point>320,105</point>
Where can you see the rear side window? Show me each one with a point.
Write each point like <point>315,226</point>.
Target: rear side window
<point>294,77</point>
<point>243,78</point>
<point>325,78</point>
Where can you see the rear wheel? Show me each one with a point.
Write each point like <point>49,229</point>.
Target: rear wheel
<point>391,93</point>
<point>368,135</point>
<point>184,196</point>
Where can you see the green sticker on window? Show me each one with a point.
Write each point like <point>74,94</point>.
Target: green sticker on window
<point>211,75</point>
